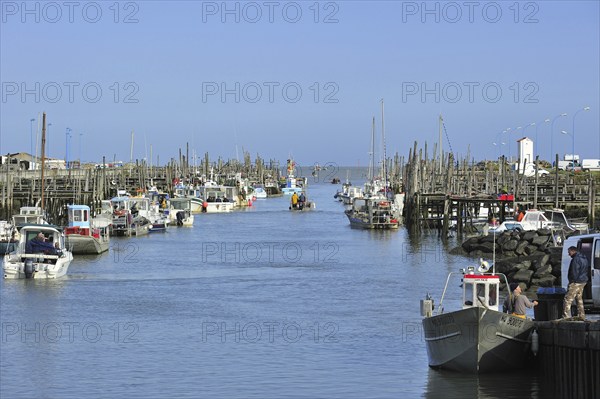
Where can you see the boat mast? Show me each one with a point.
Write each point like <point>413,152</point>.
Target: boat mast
<point>441,121</point>
<point>43,156</point>
<point>371,173</point>
<point>384,166</point>
<point>131,149</point>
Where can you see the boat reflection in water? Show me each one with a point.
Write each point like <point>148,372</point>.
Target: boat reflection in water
<point>515,384</point>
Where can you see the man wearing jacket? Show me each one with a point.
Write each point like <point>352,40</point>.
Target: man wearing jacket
<point>578,278</point>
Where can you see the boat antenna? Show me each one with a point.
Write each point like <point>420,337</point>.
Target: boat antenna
<point>494,253</point>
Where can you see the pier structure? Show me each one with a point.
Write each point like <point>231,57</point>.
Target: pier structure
<point>90,184</point>
<point>441,192</point>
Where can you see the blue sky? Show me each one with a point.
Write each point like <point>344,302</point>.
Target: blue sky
<point>298,87</point>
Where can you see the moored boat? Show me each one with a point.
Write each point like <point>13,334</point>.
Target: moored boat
<point>38,257</point>
<point>372,213</point>
<point>85,235</point>
<point>179,212</point>
<point>126,218</point>
<point>8,237</point>
<point>478,338</point>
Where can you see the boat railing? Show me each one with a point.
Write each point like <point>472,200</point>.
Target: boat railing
<point>39,256</point>
<point>462,273</point>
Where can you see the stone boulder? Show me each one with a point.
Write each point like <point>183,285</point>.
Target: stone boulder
<point>529,235</point>
<point>520,250</point>
<point>540,240</point>
<point>510,245</point>
<point>543,270</point>
<point>545,281</point>
<point>523,276</point>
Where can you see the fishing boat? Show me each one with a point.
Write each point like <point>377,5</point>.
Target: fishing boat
<point>191,192</point>
<point>151,211</point>
<point>372,213</point>
<point>8,237</point>
<point>126,220</point>
<point>292,183</point>
<point>29,215</point>
<point>85,235</point>
<point>477,338</point>
<point>375,209</point>
<point>217,201</point>
<point>179,212</point>
<point>38,258</point>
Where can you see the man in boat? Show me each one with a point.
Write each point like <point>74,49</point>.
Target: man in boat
<point>578,278</point>
<point>301,200</point>
<point>295,200</point>
<point>39,245</point>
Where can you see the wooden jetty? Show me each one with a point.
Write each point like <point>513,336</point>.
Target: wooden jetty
<point>89,184</point>
<point>569,357</point>
<point>439,191</point>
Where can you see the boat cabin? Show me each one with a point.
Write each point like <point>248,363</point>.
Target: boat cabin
<point>480,290</point>
<point>79,216</point>
<point>29,215</point>
<point>52,245</point>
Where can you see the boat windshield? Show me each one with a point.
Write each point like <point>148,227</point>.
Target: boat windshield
<point>480,291</point>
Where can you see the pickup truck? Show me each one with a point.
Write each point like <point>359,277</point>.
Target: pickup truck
<point>589,246</point>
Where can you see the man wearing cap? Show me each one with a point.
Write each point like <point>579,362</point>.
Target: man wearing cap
<point>578,278</point>
<point>38,244</point>
<point>519,302</point>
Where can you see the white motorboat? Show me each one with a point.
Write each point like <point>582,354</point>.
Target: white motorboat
<point>37,258</point>
<point>259,192</point>
<point>179,212</point>
<point>216,199</point>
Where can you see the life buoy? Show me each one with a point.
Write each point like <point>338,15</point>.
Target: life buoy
<point>384,203</point>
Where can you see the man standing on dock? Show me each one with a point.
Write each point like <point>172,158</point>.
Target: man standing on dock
<point>578,278</point>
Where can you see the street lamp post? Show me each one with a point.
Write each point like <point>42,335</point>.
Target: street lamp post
<point>67,135</point>
<point>80,134</point>
<point>552,136</point>
<point>573,130</point>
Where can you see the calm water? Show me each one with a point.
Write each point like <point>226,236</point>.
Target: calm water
<point>263,303</point>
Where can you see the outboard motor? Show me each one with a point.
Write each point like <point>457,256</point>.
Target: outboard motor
<point>180,216</point>
<point>28,268</point>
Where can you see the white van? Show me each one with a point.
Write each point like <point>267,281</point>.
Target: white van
<point>589,246</point>
<point>590,164</point>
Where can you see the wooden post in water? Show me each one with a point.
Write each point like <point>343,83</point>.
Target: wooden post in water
<point>43,156</point>
<point>592,202</point>
<point>556,181</point>
<point>535,187</point>
<point>446,222</point>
